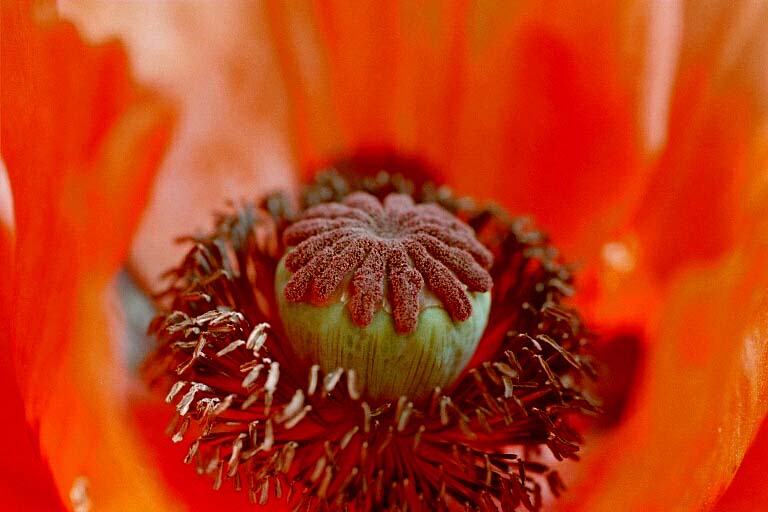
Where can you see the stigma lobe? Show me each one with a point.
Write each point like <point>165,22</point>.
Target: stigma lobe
<point>394,248</point>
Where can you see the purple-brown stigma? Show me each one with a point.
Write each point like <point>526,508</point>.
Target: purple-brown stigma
<point>395,247</point>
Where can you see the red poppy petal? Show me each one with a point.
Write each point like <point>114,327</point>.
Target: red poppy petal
<point>81,144</point>
<point>532,107</point>
<point>232,143</point>
<point>693,207</point>
<point>25,480</point>
<point>748,490</point>
<point>702,387</point>
<point>702,395</point>
<point>547,125</point>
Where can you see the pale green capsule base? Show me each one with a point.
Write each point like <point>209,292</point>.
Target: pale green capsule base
<point>388,365</point>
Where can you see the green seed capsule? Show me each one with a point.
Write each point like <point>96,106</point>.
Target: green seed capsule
<point>388,364</point>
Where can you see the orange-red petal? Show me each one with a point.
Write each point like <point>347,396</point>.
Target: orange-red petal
<point>530,106</point>
<point>694,280</point>
<point>25,479</point>
<point>748,490</point>
<point>703,394</point>
<point>81,144</point>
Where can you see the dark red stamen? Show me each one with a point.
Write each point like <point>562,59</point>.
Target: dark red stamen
<point>400,244</point>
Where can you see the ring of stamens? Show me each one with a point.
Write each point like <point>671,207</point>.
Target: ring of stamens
<point>310,438</point>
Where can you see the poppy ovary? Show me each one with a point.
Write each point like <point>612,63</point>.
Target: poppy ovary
<point>396,291</point>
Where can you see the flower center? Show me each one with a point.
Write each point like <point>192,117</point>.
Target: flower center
<point>375,258</point>
<point>349,427</point>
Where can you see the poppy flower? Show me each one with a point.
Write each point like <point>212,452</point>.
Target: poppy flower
<point>656,183</point>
